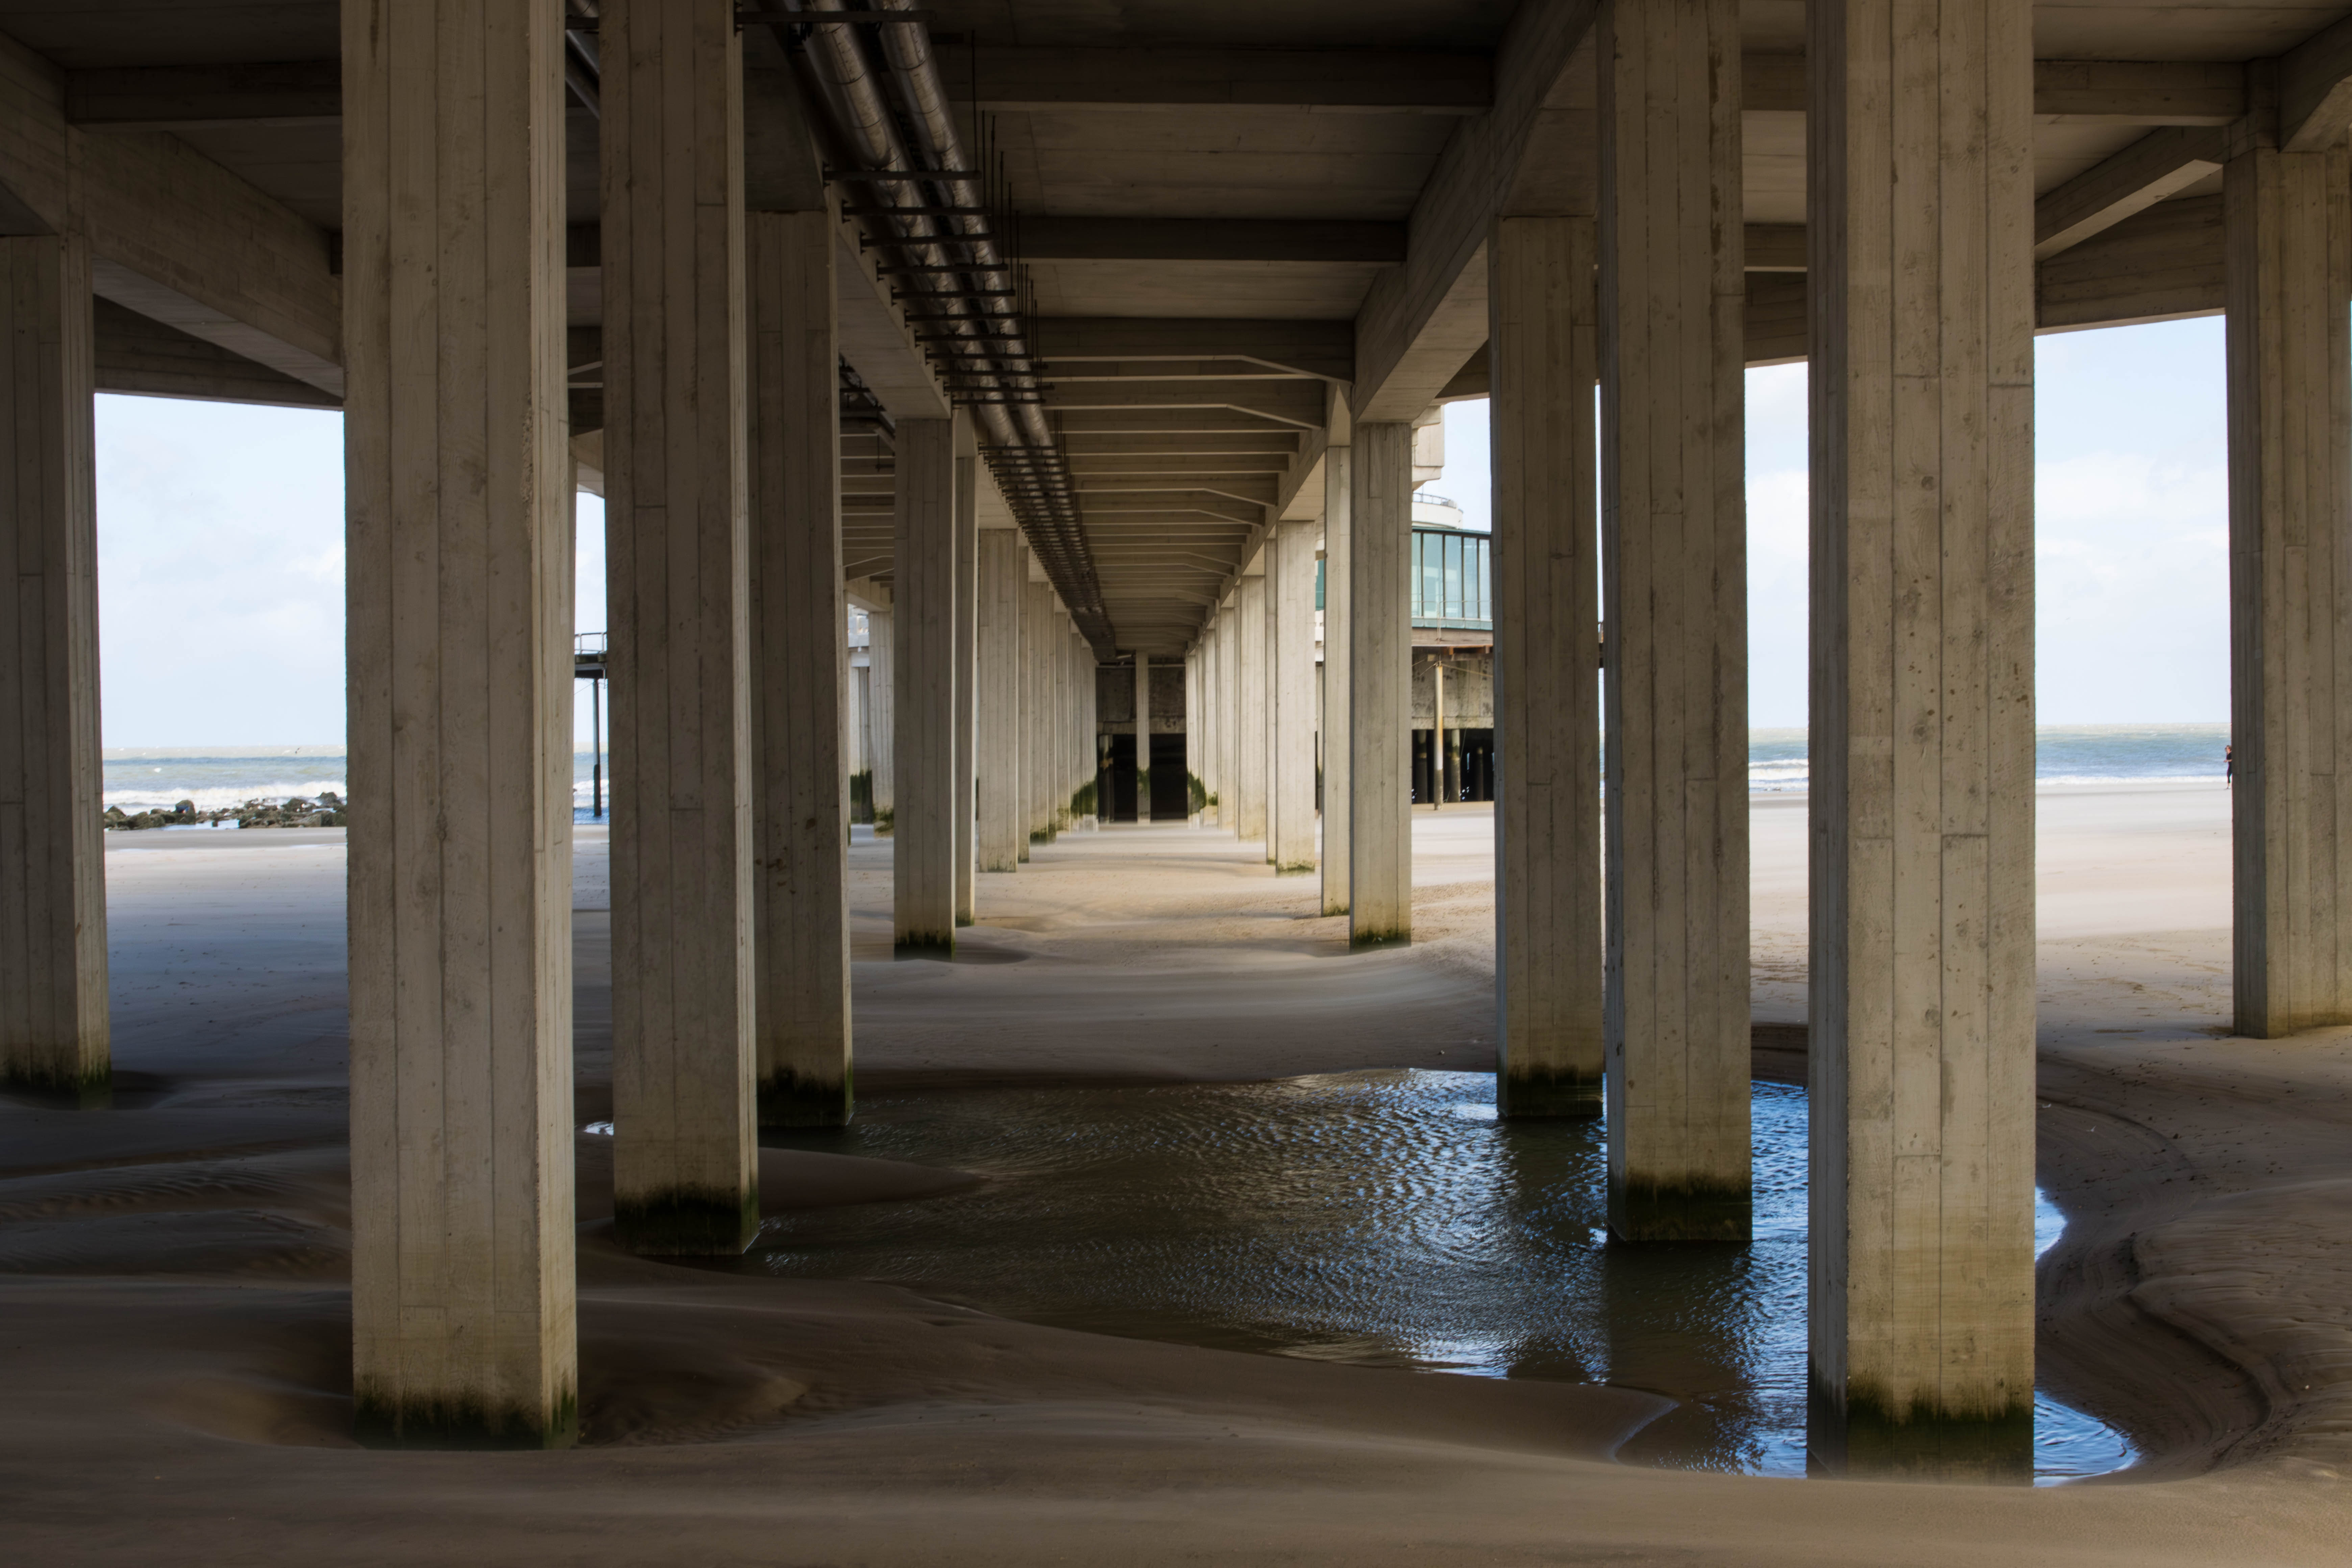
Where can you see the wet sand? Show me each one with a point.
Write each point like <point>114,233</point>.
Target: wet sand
<point>174,1270</point>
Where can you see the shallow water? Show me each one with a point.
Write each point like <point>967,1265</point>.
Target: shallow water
<point>1380,1219</point>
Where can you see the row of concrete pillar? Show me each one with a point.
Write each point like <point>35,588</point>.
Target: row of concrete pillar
<point>1622,953</point>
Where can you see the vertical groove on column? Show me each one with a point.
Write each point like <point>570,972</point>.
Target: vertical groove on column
<point>684,1151</point>
<point>2287,239</point>
<point>460,616</point>
<point>1379,718</point>
<point>1337,754</point>
<point>1673,542</point>
<point>1548,975</point>
<point>1293,817</point>
<point>922,855</point>
<point>1922,805</point>
<point>1004,829</point>
<point>54,1017</point>
<point>800,664</point>
<point>967,676</point>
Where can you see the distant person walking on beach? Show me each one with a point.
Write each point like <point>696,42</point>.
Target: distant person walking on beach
<point>2229,765</point>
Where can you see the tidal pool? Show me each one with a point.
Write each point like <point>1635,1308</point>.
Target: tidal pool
<point>1380,1218</point>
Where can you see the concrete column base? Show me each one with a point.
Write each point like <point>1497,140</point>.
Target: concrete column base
<point>1694,1212</point>
<point>686,1221</point>
<point>1868,1441</point>
<point>1536,1092</point>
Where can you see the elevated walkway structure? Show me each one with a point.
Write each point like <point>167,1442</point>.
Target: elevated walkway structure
<point>1054,337</point>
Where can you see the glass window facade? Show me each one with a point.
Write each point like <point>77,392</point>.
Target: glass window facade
<point>1452,582</point>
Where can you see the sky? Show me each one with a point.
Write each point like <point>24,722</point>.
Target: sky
<point>220,536</point>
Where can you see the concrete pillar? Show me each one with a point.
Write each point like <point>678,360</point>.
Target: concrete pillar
<point>882,712</point>
<point>1142,738</point>
<point>1211,718</point>
<point>1082,655</point>
<point>53,1000</point>
<point>2287,245</point>
<point>799,671</point>
<point>460,582</point>
<point>1337,480</point>
<point>967,654</point>
<point>1037,695</point>
<point>684,1157</point>
<point>922,856</point>
<point>1250,707</point>
<point>1380,678</point>
<point>1547,950</point>
<point>1292,816</point>
<point>1191,729</point>
<point>1922,801</point>
<point>1003,832</point>
<point>1674,530</point>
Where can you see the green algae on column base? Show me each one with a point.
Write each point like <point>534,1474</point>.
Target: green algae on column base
<point>795,1100</point>
<point>688,1222</point>
<point>1366,939</point>
<point>1681,1211</point>
<point>384,1420</point>
<point>925,945</point>
<point>83,1088</point>
<point>1538,1093</point>
<point>1870,1437</point>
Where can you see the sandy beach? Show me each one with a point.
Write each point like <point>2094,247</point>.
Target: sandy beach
<point>174,1270</point>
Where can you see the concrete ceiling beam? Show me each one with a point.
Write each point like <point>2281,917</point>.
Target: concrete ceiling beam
<point>278,95</point>
<point>1415,82</point>
<point>172,236</point>
<point>2315,91</point>
<point>1209,239</point>
<point>2082,92</point>
<point>1311,348</point>
<point>2158,166</point>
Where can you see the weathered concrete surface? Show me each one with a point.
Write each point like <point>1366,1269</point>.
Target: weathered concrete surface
<point>925,601</point>
<point>1379,679</point>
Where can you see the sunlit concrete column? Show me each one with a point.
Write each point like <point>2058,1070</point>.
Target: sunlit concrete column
<point>1191,729</point>
<point>460,597</point>
<point>1003,831</point>
<point>1922,800</point>
<point>922,855</point>
<point>1380,687</point>
<point>53,1000</point>
<point>800,798</point>
<point>967,654</point>
<point>1673,531</point>
<point>684,1158</point>
<point>1292,816</point>
<point>1250,708</point>
<point>1036,694</point>
<point>1338,478</point>
<point>1143,738</point>
<point>1548,952</point>
<point>882,712</point>
<point>2287,249</point>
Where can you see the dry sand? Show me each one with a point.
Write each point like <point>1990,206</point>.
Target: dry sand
<point>176,1319</point>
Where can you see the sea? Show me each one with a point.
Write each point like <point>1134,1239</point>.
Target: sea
<point>217,777</point>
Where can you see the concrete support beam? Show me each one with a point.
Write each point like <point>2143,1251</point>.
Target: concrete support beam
<point>967,668</point>
<point>1673,533</point>
<point>1380,687</point>
<point>923,855</point>
<point>2288,243</point>
<point>1209,239</point>
<point>1923,919</point>
<point>1290,549</point>
<point>1003,832</point>
<point>2078,92</point>
<point>1143,738</point>
<point>2152,168</point>
<point>460,573</point>
<point>800,672</point>
<point>1415,82</point>
<point>882,711</point>
<point>1548,971</point>
<point>684,1158</point>
<point>53,999</point>
<point>2315,91</point>
<point>1339,753</point>
<point>1251,690</point>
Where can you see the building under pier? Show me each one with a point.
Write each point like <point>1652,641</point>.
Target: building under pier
<point>1056,338</point>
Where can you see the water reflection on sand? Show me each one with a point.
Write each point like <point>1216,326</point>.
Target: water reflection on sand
<point>1381,1219</point>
